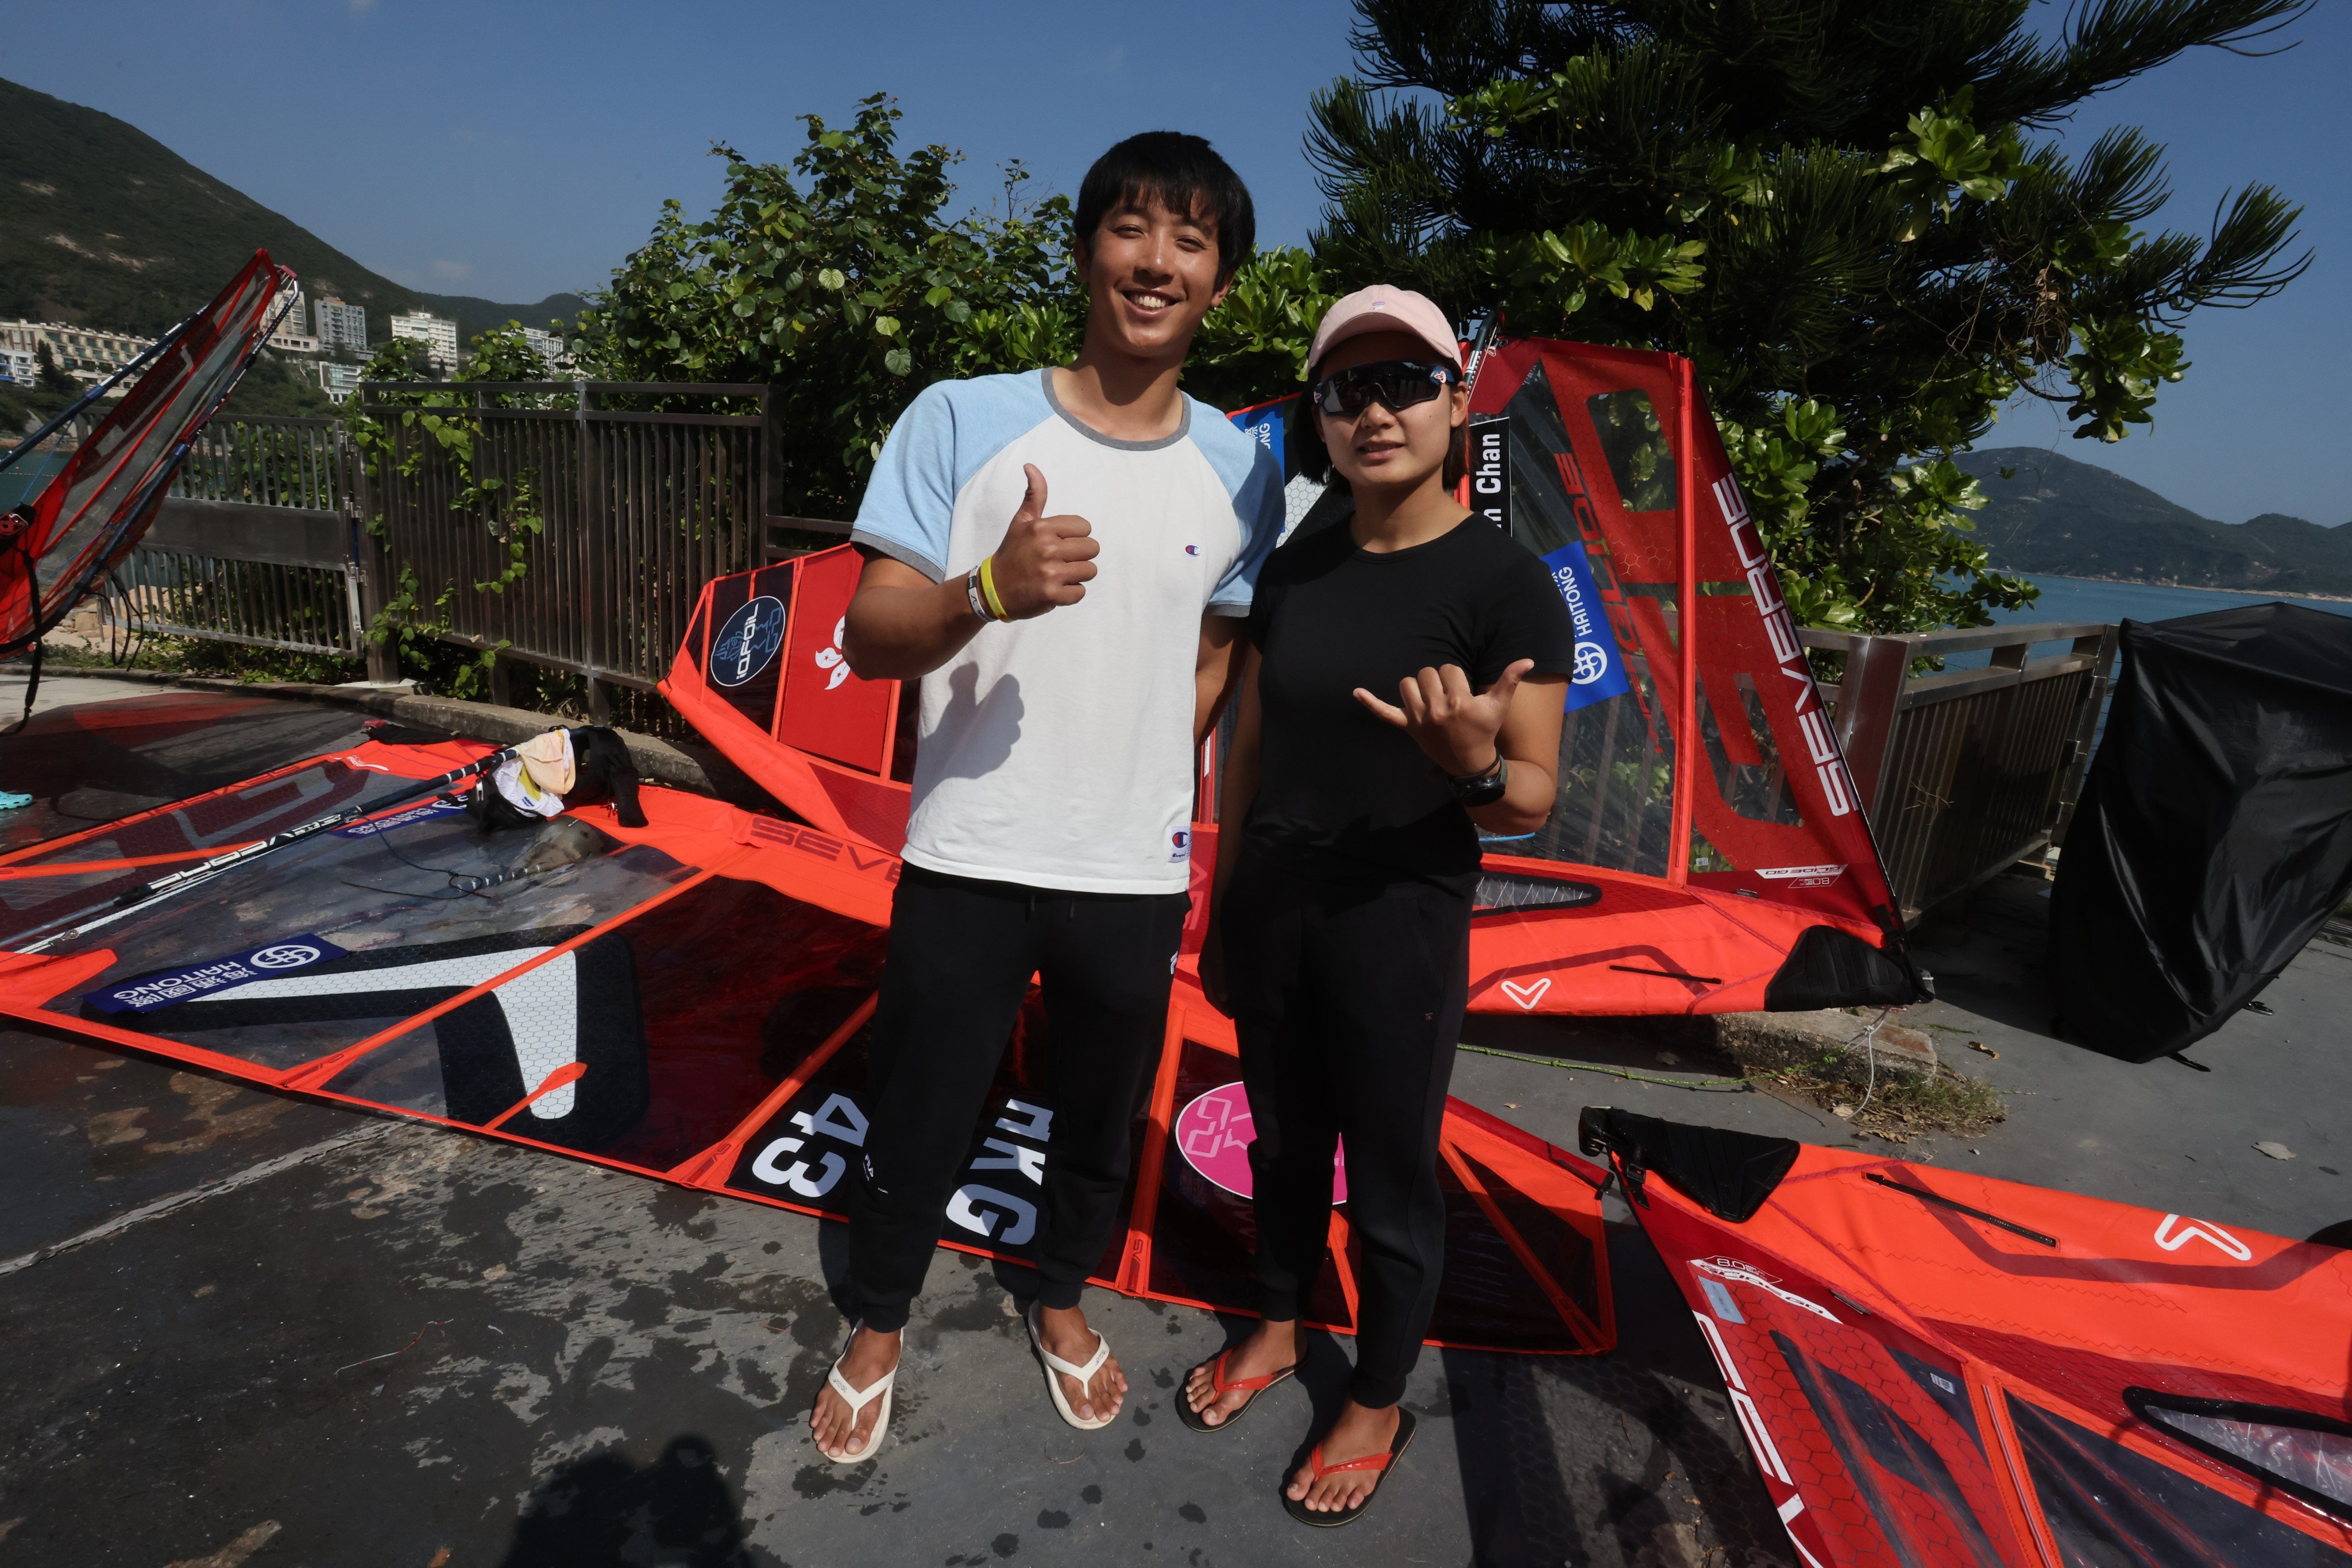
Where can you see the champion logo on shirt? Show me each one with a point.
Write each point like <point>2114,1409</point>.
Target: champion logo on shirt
<point>1192,550</point>
<point>1180,847</point>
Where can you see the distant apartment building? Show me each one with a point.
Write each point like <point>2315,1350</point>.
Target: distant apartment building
<point>437,334</point>
<point>339,326</point>
<point>20,366</point>
<point>86,354</point>
<point>292,332</point>
<point>338,381</point>
<point>550,349</point>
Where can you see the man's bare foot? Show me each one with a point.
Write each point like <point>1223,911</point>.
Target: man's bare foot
<point>871,1357</point>
<point>1358,1434</point>
<point>1271,1348</point>
<point>1063,1333</point>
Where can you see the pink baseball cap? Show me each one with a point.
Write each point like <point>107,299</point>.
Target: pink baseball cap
<point>1382,309</point>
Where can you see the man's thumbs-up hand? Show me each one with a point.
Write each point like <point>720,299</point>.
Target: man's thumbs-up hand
<point>1044,560</point>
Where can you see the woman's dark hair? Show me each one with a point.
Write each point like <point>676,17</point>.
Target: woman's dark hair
<point>1310,458</point>
<point>1187,176</point>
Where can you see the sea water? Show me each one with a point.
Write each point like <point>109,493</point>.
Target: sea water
<point>26,476</point>
<point>2079,599</point>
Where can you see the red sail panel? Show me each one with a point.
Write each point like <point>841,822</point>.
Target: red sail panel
<point>95,509</point>
<point>760,678</point>
<point>1597,459</point>
<point>1932,1368</point>
<point>828,711</point>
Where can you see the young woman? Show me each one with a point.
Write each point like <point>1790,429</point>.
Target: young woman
<point>1402,689</point>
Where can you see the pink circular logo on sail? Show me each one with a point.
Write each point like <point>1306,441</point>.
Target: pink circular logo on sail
<point>1214,1132</point>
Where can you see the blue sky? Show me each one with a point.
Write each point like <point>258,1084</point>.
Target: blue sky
<point>514,149</point>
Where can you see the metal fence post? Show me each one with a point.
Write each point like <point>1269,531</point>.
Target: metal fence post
<point>374,563</point>
<point>598,575</point>
<point>2086,728</point>
<point>1868,694</point>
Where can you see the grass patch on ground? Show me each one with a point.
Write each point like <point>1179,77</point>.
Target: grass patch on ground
<point>1898,1106</point>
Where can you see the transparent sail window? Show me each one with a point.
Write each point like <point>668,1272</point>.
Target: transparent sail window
<point>1634,443</point>
<point>2308,1454</point>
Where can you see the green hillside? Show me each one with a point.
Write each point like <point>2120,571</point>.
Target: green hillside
<point>100,223</point>
<point>2074,518</point>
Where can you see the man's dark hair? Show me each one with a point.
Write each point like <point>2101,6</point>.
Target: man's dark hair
<point>1187,176</point>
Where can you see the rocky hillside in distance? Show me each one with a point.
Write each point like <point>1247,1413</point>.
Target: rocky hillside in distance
<point>2071,519</point>
<point>102,224</point>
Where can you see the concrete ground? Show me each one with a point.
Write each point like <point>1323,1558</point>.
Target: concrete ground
<point>243,1327</point>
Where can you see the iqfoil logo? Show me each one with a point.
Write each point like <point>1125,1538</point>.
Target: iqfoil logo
<point>748,641</point>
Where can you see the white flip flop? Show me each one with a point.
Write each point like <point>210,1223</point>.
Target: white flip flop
<point>1084,1374</point>
<point>858,1403</point>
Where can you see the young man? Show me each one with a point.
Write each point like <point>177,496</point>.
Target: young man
<point>1064,556</point>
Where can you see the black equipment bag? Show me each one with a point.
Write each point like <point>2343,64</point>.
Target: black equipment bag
<point>2215,833</point>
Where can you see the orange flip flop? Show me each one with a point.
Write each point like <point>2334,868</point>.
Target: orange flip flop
<point>1380,1462</point>
<point>1222,1385</point>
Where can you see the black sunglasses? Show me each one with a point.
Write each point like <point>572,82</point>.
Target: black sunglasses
<point>1398,382</point>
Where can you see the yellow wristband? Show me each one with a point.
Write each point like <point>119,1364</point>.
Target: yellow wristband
<point>988,590</point>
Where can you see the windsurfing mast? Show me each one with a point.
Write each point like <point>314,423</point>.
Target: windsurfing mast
<point>1489,328</point>
<point>1689,754</point>
<point>147,893</point>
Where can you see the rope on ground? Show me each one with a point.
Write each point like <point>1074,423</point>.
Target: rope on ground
<point>1868,1041</point>
<point>1707,1085</point>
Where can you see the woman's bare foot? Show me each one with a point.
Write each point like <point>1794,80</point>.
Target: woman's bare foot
<point>1063,1333</point>
<point>1358,1434</point>
<point>871,1357</point>
<point>1271,1348</point>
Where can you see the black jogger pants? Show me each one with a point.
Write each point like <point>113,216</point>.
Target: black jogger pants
<point>1348,1002</point>
<point>961,955</point>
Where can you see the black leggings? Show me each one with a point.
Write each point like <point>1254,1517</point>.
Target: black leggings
<point>960,956</point>
<point>1348,1005</point>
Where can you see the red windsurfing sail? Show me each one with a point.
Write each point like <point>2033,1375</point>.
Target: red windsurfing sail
<point>97,507</point>
<point>1935,1369</point>
<point>687,1001</point>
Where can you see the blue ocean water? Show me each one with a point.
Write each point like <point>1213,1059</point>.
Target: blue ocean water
<point>26,476</point>
<point>2087,599</point>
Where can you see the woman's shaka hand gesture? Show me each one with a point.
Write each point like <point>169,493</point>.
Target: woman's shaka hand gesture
<point>1455,728</point>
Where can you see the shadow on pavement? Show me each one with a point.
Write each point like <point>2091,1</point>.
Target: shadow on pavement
<point>602,1510</point>
<point>1605,1459</point>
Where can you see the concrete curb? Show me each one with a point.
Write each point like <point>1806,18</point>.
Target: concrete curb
<point>657,760</point>
<point>1773,1041</point>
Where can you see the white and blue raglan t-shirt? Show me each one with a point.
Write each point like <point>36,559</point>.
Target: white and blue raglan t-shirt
<point>1057,752</point>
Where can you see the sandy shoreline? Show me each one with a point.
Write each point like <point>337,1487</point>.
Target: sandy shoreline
<point>2191,587</point>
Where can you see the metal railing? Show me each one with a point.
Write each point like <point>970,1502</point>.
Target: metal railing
<point>589,529</point>
<point>1966,772</point>
<point>271,460</point>
<point>255,544</point>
